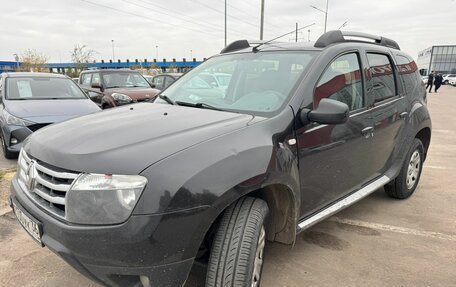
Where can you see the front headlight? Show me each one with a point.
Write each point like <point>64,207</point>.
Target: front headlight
<point>121,98</point>
<point>12,120</point>
<point>103,199</point>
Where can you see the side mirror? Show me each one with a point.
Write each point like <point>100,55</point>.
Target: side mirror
<point>97,86</point>
<point>153,86</point>
<point>330,112</point>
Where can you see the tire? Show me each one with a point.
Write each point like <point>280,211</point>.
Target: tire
<point>405,183</point>
<point>236,257</point>
<point>6,153</point>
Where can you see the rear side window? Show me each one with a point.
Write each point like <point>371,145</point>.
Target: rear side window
<point>96,78</point>
<point>381,84</point>
<point>168,81</point>
<point>158,82</point>
<point>86,78</point>
<point>408,72</point>
<point>342,82</point>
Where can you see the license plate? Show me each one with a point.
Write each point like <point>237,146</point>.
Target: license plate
<point>31,225</point>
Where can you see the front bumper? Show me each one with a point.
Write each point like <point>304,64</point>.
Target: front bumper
<point>160,247</point>
<point>18,132</point>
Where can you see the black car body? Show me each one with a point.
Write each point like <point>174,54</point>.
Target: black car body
<point>349,123</point>
<point>30,101</point>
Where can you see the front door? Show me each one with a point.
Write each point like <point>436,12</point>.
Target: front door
<point>335,159</point>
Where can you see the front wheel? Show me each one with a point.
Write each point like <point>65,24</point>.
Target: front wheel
<point>237,253</point>
<point>405,183</point>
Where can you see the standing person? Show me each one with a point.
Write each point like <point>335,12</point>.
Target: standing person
<point>430,81</point>
<point>438,82</point>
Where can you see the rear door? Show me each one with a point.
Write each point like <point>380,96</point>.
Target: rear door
<point>388,108</point>
<point>334,160</point>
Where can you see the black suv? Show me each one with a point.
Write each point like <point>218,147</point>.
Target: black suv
<point>300,132</point>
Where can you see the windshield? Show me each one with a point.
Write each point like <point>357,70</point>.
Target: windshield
<point>248,82</point>
<point>121,80</point>
<point>42,88</point>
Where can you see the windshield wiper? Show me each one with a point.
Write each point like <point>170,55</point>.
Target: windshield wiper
<point>198,105</point>
<point>166,99</point>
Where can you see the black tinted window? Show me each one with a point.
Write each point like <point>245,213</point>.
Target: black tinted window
<point>381,84</point>
<point>342,82</point>
<point>408,72</point>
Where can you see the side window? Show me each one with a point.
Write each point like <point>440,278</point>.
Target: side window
<point>86,78</point>
<point>381,84</point>
<point>158,82</point>
<point>96,78</point>
<point>408,72</point>
<point>342,82</point>
<point>168,81</point>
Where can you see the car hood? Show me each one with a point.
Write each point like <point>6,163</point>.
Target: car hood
<point>135,93</point>
<point>128,139</point>
<point>50,111</point>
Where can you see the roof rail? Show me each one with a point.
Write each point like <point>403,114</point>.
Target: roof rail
<point>236,45</point>
<point>338,36</point>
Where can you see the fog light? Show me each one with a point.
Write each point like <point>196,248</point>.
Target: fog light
<point>14,141</point>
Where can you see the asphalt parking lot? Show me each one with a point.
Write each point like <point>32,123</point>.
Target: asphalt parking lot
<point>377,242</point>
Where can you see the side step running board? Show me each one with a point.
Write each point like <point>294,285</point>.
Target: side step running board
<point>343,203</point>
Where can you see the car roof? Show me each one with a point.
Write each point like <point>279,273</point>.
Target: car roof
<point>110,71</point>
<point>327,40</point>
<point>33,74</point>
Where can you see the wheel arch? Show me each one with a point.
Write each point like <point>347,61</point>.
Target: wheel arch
<point>424,135</point>
<point>283,205</point>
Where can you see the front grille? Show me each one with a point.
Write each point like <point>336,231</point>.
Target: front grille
<point>36,127</point>
<point>46,186</point>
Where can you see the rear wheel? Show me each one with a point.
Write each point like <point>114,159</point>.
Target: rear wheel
<point>237,253</point>
<point>405,183</point>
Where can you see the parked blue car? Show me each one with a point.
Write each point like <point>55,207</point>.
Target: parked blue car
<point>30,101</point>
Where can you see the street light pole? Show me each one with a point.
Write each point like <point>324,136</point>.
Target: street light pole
<point>325,12</point>
<point>262,20</point>
<point>225,23</point>
<point>191,55</point>
<point>308,36</point>
<point>296,32</point>
<point>156,52</point>
<point>113,55</point>
<point>16,57</point>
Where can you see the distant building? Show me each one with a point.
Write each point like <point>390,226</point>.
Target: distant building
<point>441,59</point>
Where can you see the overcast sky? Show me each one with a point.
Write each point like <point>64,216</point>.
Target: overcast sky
<point>53,27</point>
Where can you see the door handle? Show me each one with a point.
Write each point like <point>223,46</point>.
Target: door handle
<point>403,115</point>
<point>368,132</point>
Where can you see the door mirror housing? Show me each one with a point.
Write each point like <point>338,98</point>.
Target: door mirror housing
<point>97,86</point>
<point>330,112</point>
